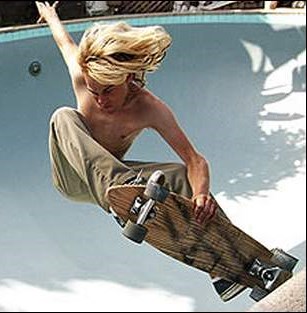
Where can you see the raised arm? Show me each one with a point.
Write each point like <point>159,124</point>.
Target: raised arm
<point>65,43</point>
<point>164,122</point>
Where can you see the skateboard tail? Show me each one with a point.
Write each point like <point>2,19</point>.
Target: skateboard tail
<point>270,277</point>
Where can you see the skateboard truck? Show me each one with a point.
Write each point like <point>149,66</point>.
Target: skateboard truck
<point>268,274</point>
<point>272,276</point>
<point>146,210</point>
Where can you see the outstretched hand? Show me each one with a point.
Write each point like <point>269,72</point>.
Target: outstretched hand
<point>45,10</point>
<point>205,208</point>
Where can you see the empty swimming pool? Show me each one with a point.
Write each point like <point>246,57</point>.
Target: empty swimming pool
<point>237,83</point>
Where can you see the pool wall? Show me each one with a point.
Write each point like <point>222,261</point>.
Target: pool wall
<point>237,84</point>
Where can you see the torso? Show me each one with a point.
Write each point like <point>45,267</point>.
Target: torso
<point>117,132</point>
<point>116,138</point>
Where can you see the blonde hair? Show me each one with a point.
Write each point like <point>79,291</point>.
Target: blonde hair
<point>108,53</point>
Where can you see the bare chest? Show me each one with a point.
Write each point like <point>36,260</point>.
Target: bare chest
<point>116,137</point>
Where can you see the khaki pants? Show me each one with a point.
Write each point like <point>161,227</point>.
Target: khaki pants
<point>82,169</point>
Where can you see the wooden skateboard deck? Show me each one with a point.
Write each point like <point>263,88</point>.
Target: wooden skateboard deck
<point>218,248</point>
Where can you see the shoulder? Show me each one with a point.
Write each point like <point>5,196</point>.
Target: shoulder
<point>147,101</point>
<point>74,68</point>
<point>152,109</point>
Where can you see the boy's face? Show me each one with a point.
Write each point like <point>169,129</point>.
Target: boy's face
<point>109,98</point>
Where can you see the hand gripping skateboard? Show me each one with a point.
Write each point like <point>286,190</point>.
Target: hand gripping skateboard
<point>165,220</point>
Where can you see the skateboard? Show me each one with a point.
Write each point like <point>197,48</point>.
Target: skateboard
<point>165,220</point>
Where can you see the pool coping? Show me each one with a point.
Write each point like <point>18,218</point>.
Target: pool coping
<point>285,17</point>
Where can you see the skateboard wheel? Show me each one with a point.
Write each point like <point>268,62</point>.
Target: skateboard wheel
<point>286,261</point>
<point>258,294</point>
<point>135,232</point>
<point>154,187</point>
<point>157,177</point>
<point>156,192</point>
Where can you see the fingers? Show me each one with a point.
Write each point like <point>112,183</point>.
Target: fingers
<point>38,4</point>
<point>40,20</point>
<point>45,8</point>
<point>40,7</point>
<point>54,5</point>
<point>205,208</point>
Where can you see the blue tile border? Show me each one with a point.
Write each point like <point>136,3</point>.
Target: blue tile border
<point>15,33</point>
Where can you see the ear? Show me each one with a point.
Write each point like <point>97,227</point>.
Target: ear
<point>130,78</point>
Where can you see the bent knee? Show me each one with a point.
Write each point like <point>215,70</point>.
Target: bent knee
<point>177,180</point>
<point>62,114</point>
<point>181,169</point>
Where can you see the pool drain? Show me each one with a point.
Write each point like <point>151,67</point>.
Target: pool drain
<point>35,68</point>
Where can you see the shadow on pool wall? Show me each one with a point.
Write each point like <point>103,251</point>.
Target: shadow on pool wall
<point>208,80</point>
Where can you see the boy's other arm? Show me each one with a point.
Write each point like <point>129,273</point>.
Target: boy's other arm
<point>164,122</point>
